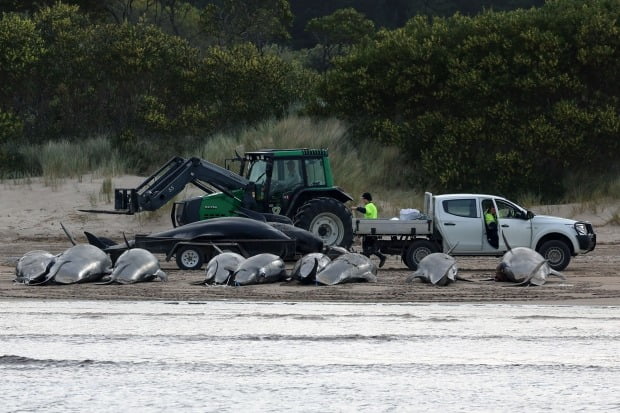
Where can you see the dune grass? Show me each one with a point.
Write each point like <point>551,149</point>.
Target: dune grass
<point>357,166</point>
<point>63,159</point>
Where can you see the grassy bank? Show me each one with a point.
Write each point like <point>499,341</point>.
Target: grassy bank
<point>357,166</point>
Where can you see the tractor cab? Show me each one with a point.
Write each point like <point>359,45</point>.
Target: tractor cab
<point>299,184</point>
<point>280,176</point>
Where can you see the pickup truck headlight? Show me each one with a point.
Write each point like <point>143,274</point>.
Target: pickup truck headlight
<point>581,228</point>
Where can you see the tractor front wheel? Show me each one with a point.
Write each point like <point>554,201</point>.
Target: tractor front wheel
<point>327,218</point>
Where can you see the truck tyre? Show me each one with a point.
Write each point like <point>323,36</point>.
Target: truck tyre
<point>417,251</point>
<point>557,253</point>
<point>328,219</point>
<point>189,258</point>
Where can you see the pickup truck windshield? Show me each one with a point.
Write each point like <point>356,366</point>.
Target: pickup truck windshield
<point>507,210</point>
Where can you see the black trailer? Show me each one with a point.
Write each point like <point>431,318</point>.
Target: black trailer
<point>191,254</point>
<point>194,244</point>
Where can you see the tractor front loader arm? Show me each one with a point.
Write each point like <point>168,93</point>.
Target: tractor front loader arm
<point>162,186</point>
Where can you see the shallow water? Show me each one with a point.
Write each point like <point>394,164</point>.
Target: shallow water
<point>63,356</point>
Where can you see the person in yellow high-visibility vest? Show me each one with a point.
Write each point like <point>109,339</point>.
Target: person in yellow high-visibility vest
<point>368,208</point>
<point>490,221</point>
<point>370,212</point>
<point>490,216</point>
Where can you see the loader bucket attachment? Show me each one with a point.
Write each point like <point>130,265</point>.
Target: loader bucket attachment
<point>126,200</point>
<point>125,203</point>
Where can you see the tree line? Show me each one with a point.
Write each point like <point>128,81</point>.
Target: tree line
<point>503,101</point>
<point>181,17</point>
<point>67,77</point>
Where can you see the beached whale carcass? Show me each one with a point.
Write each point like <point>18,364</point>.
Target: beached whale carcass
<point>78,264</point>
<point>307,267</point>
<point>305,241</point>
<point>260,269</point>
<point>221,268</point>
<point>136,265</point>
<point>349,267</point>
<point>524,266</point>
<point>437,269</point>
<point>33,266</point>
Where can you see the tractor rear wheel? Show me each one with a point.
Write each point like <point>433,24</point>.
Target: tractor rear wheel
<point>327,218</point>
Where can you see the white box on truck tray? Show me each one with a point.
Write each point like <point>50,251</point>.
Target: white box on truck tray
<point>409,213</point>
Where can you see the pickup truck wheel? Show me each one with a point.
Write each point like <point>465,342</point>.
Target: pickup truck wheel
<point>328,219</point>
<point>417,251</point>
<point>557,253</point>
<point>189,258</point>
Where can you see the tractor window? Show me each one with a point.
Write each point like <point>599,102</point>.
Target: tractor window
<point>315,172</point>
<point>286,175</point>
<point>257,172</point>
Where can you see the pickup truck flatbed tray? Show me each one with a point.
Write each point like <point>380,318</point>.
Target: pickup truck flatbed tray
<point>392,227</point>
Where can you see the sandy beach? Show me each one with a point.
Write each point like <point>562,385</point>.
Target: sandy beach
<point>31,213</point>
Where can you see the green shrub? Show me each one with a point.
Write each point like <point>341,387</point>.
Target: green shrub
<point>501,102</point>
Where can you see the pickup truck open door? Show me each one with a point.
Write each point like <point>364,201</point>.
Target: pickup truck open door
<point>515,223</point>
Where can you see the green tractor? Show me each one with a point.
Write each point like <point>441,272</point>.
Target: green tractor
<point>276,184</point>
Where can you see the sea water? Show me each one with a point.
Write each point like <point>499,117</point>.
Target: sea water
<point>102,356</point>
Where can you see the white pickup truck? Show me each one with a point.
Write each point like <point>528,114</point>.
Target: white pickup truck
<point>458,220</point>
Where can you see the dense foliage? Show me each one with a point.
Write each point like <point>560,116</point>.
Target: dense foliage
<point>391,14</point>
<point>507,100</point>
<point>337,32</point>
<point>260,22</point>
<point>68,77</point>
